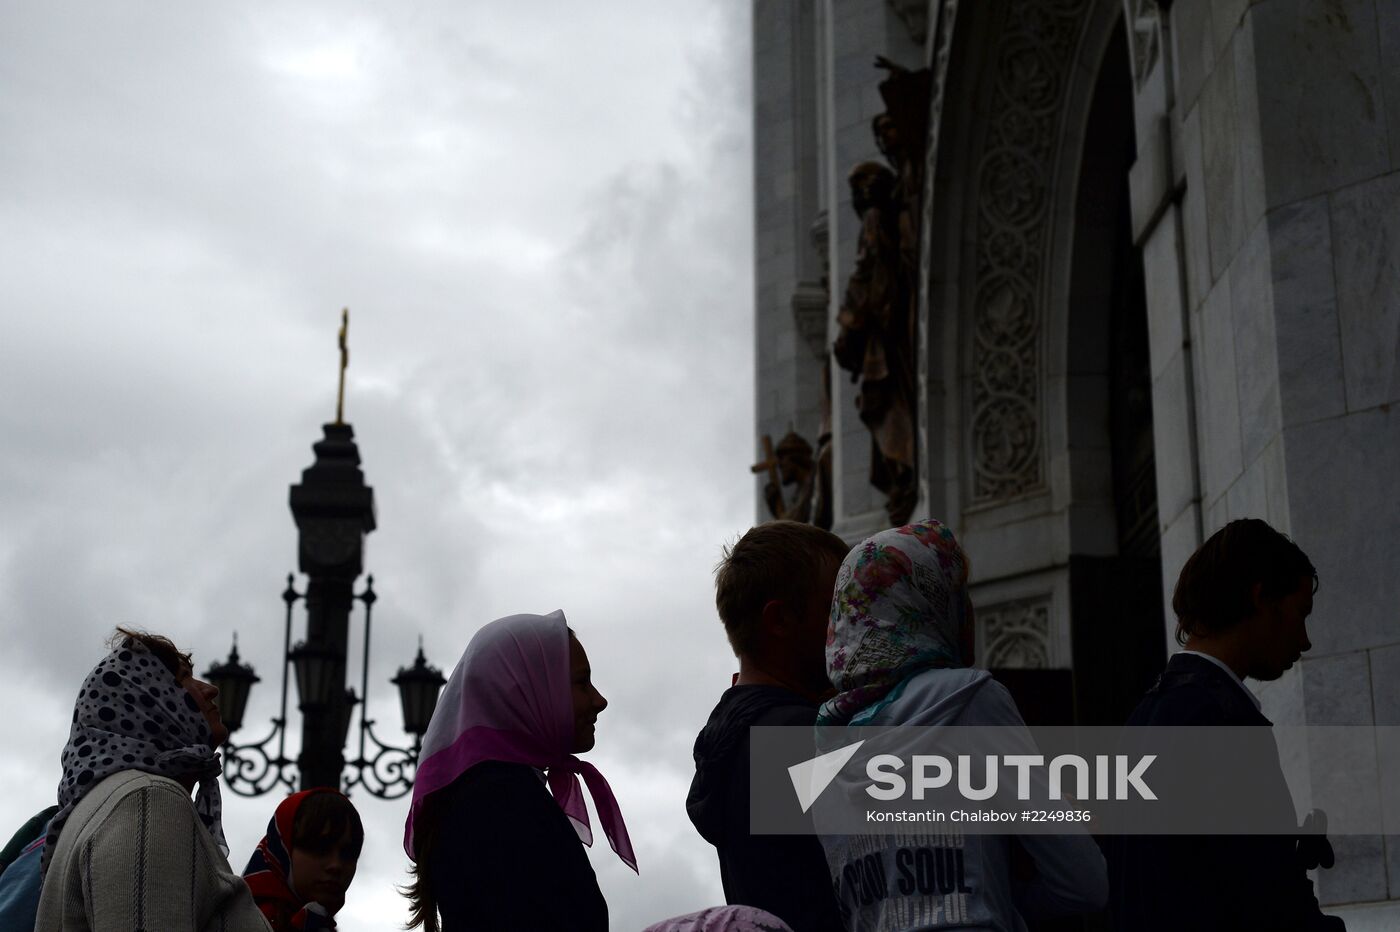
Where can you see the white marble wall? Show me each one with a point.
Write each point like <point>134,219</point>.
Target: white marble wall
<point>827,50</point>
<point>785,204</point>
<point>1287,121</point>
<point>1267,204</point>
<point>1169,232</point>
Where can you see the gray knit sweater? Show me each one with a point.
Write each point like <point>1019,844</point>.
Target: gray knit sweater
<point>133,857</point>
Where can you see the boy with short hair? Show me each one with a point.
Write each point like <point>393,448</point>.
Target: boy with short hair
<point>1241,603</point>
<point>773,592</point>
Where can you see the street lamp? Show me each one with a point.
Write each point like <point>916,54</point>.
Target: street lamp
<point>233,680</point>
<point>333,509</point>
<point>315,669</point>
<point>381,769</point>
<point>419,686</point>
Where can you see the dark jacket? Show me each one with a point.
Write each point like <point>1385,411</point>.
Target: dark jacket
<point>1216,883</point>
<point>784,874</point>
<point>505,857</point>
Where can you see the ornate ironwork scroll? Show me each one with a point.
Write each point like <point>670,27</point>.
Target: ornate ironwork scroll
<point>382,770</point>
<point>253,769</point>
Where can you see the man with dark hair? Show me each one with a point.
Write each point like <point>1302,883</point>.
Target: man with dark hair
<point>773,592</point>
<point>1241,604</point>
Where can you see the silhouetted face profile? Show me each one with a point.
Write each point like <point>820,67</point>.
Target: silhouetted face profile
<point>204,695</point>
<point>1279,631</point>
<point>588,702</point>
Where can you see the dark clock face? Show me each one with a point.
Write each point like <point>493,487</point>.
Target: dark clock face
<point>331,543</point>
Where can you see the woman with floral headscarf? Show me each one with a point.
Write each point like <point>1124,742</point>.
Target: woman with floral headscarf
<point>127,848</point>
<point>498,811</point>
<point>899,652</point>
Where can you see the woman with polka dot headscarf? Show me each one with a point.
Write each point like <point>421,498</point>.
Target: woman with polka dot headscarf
<point>128,848</point>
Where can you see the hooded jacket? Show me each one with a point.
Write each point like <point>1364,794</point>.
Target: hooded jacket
<point>947,879</point>
<point>783,874</point>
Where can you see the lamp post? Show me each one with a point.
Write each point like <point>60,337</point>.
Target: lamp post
<point>380,769</point>
<point>334,510</point>
<point>234,680</point>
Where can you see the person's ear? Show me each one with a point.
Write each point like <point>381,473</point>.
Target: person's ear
<point>1256,596</point>
<point>775,618</point>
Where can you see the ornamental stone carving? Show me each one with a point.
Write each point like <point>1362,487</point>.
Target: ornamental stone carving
<point>1014,182</point>
<point>1016,634</point>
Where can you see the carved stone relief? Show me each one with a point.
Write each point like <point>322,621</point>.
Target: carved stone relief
<point>1033,59</point>
<point>1016,634</point>
<point>1144,36</point>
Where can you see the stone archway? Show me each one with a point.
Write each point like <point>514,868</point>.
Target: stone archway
<point>1115,594</point>
<point>1014,153</point>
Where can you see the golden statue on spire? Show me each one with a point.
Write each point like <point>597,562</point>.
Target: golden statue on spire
<point>344,364</point>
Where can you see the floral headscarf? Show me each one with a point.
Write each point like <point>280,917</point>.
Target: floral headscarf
<point>269,872</point>
<point>131,714</point>
<point>900,606</point>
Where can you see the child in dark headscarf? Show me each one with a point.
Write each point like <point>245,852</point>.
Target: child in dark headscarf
<point>304,864</point>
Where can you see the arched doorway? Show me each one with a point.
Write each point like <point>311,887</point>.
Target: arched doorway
<point>1039,411</point>
<point>1115,597</point>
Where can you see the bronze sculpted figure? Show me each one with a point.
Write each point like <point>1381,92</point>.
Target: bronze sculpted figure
<point>793,464</point>
<point>878,314</point>
<point>875,340</point>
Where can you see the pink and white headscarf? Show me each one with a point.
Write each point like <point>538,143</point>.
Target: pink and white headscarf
<point>511,699</point>
<point>723,919</point>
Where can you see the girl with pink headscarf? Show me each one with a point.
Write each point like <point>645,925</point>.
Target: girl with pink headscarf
<point>498,811</point>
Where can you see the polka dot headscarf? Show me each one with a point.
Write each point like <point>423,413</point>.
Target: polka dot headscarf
<point>131,714</point>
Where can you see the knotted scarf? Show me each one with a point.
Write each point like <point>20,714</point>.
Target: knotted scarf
<point>132,714</point>
<point>269,872</point>
<point>510,699</point>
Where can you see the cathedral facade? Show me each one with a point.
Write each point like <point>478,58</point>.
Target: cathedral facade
<point>1086,280</point>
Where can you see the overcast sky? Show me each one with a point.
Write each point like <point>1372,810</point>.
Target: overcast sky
<point>539,215</point>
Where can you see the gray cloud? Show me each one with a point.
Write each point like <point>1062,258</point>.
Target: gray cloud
<point>541,222</point>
